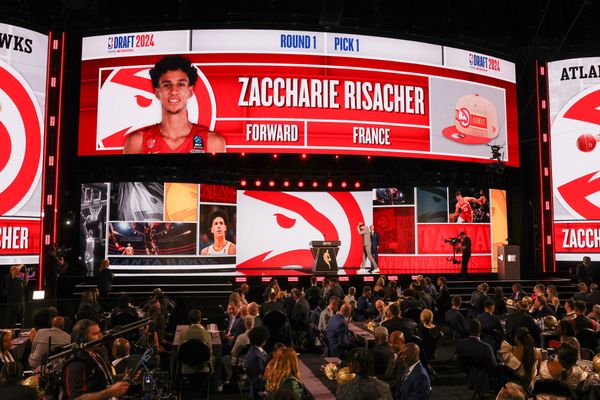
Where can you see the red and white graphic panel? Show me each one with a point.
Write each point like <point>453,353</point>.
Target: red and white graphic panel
<point>306,92</point>
<point>275,228</point>
<point>23,66</point>
<point>574,93</point>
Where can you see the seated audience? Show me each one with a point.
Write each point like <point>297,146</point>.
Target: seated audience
<point>327,313</point>
<point>300,312</point>
<point>381,352</point>
<point>6,338</point>
<point>552,297</point>
<point>411,300</point>
<point>500,301</point>
<point>270,288</point>
<point>396,366</point>
<point>55,336</point>
<point>337,333</point>
<point>492,331</point>
<point>313,290</point>
<point>121,356</point>
<point>350,296</point>
<point>89,308</point>
<point>334,290</point>
<point>407,326</point>
<point>365,385</point>
<point>583,293</point>
<point>455,320</point>
<point>254,311</point>
<point>540,308</point>
<point>595,313</point>
<point>239,349</point>
<point>416,384</point>
<point>538,290</point>
<point>517,292</point>
<point>379,306</point>
<point>474,353</point>
<point>42,318</point>
<point>594,296</point>
<point>522,318</point>
<point>197,331</point>
<point>523,358</point>
<point>569,311</point>
<point>282,373</point>
<point>391,291</point>
<point>563,368</point>
<point>363,305</point>
<point>429,332</point>
<point>271,304</point>
<point>256,359</point>
<point>124,307</point>
<point>512,391</point>
<point>11,375</point>
<point>235,326</point>
<point>477,299</point>
<point>581,321</point>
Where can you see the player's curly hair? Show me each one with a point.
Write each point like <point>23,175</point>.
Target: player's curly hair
<point>215,215</point>
<point>173,63</point>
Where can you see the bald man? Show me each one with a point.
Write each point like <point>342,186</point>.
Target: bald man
<point>337,333</point>
<point>39,346</point>
<point>415,384</point>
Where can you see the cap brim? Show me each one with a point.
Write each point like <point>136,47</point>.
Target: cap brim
<point>453,134</point>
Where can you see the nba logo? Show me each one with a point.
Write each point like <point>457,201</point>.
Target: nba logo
<point>198,142</point>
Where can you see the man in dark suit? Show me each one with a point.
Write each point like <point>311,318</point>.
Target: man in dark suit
<point>334,290</point>
<point>313,290</point>
<point>235,326</point>
<point>256,359</point>
<point>411,300</point>
<point>583,271</point>
<point>472,352</point>
<point>594,297</point>
<point>270,305</point>
<point>581,321</point>
<point>517,292</point>
<point>522,318</point>
<point>407,326</point>
<point>363,305</point>
<point>337,333</point>
<point>300,312</point>
<point>416,384</point>
<point>381,352</point>
<point>375,241</point>
<point>443,299</point>
<point>396,367</point>
<point>491,328</point>
<point>477,299</point>
<point>541,308</point>
<point>456,321</point>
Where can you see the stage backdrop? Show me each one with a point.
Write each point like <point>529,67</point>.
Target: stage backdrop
<point>169,228</point>
<point>574,93</point>
<point>305,92</point>
<point>23,67</point>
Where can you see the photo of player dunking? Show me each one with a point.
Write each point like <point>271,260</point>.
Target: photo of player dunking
<point>149,241</point>
<point>463,210</point>
<point>217,224</point>
<point>173,79</point>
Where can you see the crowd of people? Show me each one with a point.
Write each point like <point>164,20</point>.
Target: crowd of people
<point>522,338</point>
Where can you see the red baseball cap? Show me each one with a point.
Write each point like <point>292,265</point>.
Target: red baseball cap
<point>476,121</point>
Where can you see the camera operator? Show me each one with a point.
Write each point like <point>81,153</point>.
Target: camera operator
<point>87,376</point>
<point>465,249</point>
<point>15,284</point>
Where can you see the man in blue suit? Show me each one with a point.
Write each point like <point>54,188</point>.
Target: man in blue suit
<point>337,332</point>
<point>256,359</point>
<point>235,326</point>
<point>415,384</point>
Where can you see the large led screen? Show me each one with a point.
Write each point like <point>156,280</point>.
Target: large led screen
<point>293,92</point>
<point>23,68</point>
<point>190,229</point>
<point>574,93</point>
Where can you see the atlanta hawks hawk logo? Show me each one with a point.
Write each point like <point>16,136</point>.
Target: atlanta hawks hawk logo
<point>126,102</point>
<point>20,141</point>
<point>576,173</point>
<point>275,228</point>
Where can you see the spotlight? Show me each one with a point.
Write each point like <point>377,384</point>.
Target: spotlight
<point>243,182</point>
<point>304,156</point>
<point>275,156</point>
<point>243,154</point>
<point>329,184</point>
<point>271,183</point>
<point>213,154</point>
<point>357,184</point>
<point>337,156</point>
<point>300,184</point>
<point>257,183</point>
<point>315,184</point>
<point>286,183</point>
<point>368,157</point>
<point>344,184</point>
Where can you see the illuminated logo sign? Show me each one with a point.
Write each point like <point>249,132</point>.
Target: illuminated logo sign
<point>483,63</point>
<point>128,43</point>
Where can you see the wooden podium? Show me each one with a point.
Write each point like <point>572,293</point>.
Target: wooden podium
<point>325,256</point>
<point>509,262</point>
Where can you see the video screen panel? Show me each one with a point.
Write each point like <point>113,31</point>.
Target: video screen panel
<point>574,94</point>
<point>23,70</point>
<point>214,229</point>
<point>293,92</point>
